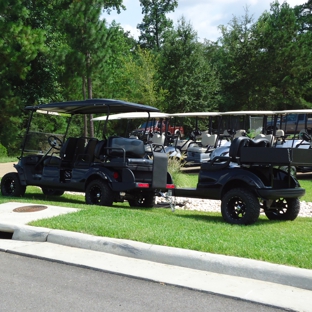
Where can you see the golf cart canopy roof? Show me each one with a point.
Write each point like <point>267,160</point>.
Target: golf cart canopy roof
<point>93,106</point>
<point>238,113</point>
<point>295,111</point>
<point>196,114</point>
<point>132,115</point>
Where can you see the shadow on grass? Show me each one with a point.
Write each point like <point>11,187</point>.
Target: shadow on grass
<point>42,197</point>
<point>219,219</point>
<point>205,218</point>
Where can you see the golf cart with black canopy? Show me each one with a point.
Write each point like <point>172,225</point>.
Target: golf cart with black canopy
<point>107,169</point>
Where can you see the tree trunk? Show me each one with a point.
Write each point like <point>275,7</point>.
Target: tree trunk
<point>85,130</point>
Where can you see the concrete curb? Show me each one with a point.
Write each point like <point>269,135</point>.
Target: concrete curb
<point>228,265</point>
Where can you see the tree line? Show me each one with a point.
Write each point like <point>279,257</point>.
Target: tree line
<point>59,50</point>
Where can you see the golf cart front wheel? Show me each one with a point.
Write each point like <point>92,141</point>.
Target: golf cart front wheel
<point>11,185</point>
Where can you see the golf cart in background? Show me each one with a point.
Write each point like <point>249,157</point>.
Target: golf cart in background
<point>202,139</point>
<point>107,169</point>
<point>234,124</point>
<point>145,131</point>
<point>291,121</point>
<point>154,138</point>
<point>158,125</point>
<point>293,128</point>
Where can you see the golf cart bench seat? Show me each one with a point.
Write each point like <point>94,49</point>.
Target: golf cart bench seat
<point>70,149</point>
<point>74,153</point>
<point>125,147</point>
<point>260,152</point>
<point>208,141</point>
<point>243,150</point>
<point>123,152</point>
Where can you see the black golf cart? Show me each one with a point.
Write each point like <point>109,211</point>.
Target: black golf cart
<point>249,179</point>
<point>107,169</point>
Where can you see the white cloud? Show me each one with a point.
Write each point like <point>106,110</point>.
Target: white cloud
<point>204,15</point>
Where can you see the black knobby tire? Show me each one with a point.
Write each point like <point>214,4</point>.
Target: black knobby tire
<point>51,191</point>
<point>146,201</point>
<point>98,192</point>
<point>240,206</point>
<point>11,185</point>
<point>284,209</point>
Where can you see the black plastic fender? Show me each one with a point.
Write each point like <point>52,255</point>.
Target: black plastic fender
<point>102,173</point>
<point>21,173</point>
<point>238,175</point>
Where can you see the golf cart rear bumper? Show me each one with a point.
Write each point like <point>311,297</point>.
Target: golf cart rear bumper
<point>280,193</point>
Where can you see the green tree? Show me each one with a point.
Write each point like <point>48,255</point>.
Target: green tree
<point>283,59</point>
<point>304,15</point>
<point>87,38</point>
<point>20,44</point>
<point>110,81</point>
<point>155,23</point>
<point>189,79</point>
<point>233,55</point>
<point>139,79</point>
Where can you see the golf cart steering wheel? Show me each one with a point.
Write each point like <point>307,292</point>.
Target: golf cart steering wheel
<point>305,136</point>
<point>55,142</point>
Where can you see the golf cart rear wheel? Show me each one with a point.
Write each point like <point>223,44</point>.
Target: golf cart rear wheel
<point>11,185</point>
<point>51,191</point>
<point>284,209</point>
<point>240,206</point>
<point>98,192</point>
<point>146,201</point>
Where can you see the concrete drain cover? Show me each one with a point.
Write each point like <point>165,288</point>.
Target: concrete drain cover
<point>30,208</point>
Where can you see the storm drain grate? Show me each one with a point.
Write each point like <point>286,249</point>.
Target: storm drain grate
<point>32,208</point>
<point>6,235</point>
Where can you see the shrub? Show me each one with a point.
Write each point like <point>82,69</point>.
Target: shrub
<point>3,151</point>
<point>174,168</point>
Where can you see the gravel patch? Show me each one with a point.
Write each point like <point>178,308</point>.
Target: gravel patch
<point>186,203</point>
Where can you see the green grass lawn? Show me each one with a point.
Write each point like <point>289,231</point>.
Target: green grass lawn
<point>286,243</point>
<point>8,159</point>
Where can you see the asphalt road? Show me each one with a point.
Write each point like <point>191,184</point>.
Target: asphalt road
<point>29,284</point>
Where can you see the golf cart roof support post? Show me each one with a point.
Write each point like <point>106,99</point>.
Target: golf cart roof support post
<point>105,122</point>
<point>275,124</point>
<point>148,119</point>
<point>27,131</point>
<point>264,124</point>
<point>210,125</point>
<point>67,128</point>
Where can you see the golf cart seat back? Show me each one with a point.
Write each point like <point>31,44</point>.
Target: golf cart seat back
<point>88,154</point>
<point>100,150</point>
<point>70,150</point>
<point>158,138</point>
<point>125,147</point>
<point>236,146</point>
<point>68,153</point>
<point>269,137</point>
<point>239,133</point>
<point>279,133</point>
<point>241,144</point>
<point>208,139</point>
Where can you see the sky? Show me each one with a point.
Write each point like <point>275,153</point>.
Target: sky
<point>204,15</point>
